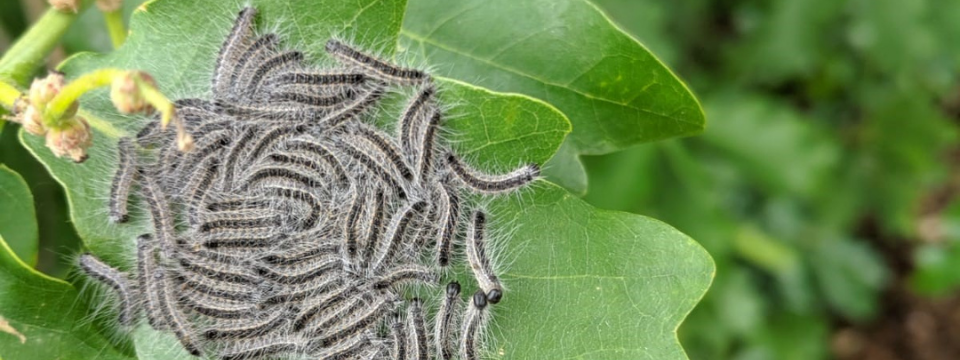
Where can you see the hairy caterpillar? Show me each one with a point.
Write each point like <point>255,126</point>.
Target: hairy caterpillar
<point>295,224</point>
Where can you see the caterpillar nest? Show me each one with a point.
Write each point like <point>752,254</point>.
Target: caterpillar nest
<point>293,226</point>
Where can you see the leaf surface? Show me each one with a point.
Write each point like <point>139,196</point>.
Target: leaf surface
<point>44,318</point>
<point>568,53</point>
<point>18,225</point>
<point>585,283</point>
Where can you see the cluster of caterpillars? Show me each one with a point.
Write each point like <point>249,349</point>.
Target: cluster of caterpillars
<point>292,227</point>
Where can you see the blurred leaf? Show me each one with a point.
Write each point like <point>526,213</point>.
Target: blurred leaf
<point>742,307</point>
<point>850,275</point>
<point>789,337</point>
<point>625,180</point>
<point>936,272</point>
<point>565,52</point>
<point>12,19</point>
<point>89,32</point>
<point>566,257</point>
<point>893,34</point>
<point>18,225</point>
<point>777,147</point>
<point>692,205</point>
<point>786,40</point>
<point>780,261</point>
<point>48,313</point>
<point>703,334</point>
<point>904,140</point>
<point>949,219</point>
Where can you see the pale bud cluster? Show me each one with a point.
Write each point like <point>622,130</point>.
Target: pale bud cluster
<point>125,93</point>
<point>68,134</point>
<point>72,6</point>
<point>109,5</point>
<point>71,137</point>
<point>71,140</point>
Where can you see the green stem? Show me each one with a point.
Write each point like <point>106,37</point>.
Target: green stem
<point>8,95</point>
<point>71,92</point>
<point>29,52</point>
<point>118,32</point>
<point>157,100</point>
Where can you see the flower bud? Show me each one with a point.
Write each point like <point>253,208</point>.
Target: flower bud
<point>66,5</point>
<point>71,140</point>
<point>44,90</point>
<point>126,95</point>
<point>109,5</point>
<point>31,121</point>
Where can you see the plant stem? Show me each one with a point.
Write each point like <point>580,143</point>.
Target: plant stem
<point>8,94</point>
<point>158,101</point>
<point>29,52</point>
<point>118,32</point>
<point>72,91</point>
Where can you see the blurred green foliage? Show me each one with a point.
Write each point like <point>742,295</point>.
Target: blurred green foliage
<point>829,127</point>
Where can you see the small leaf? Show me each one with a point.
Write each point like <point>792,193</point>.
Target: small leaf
<point>568,53</point>
<point>18,225</point>
<point>48,313</point>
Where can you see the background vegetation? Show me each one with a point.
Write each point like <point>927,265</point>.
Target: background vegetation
<point>824,186</point>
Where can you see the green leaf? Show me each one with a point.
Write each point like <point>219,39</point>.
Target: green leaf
<point>499,131</point>
<point>565,264</point>
<point>565,52</point>
<point>48,313</point>
<point>18,225</point>
<point>620,282</point>
<point>648,21</point>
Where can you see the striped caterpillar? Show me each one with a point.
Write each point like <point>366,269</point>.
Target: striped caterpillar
<point>294,226</point>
